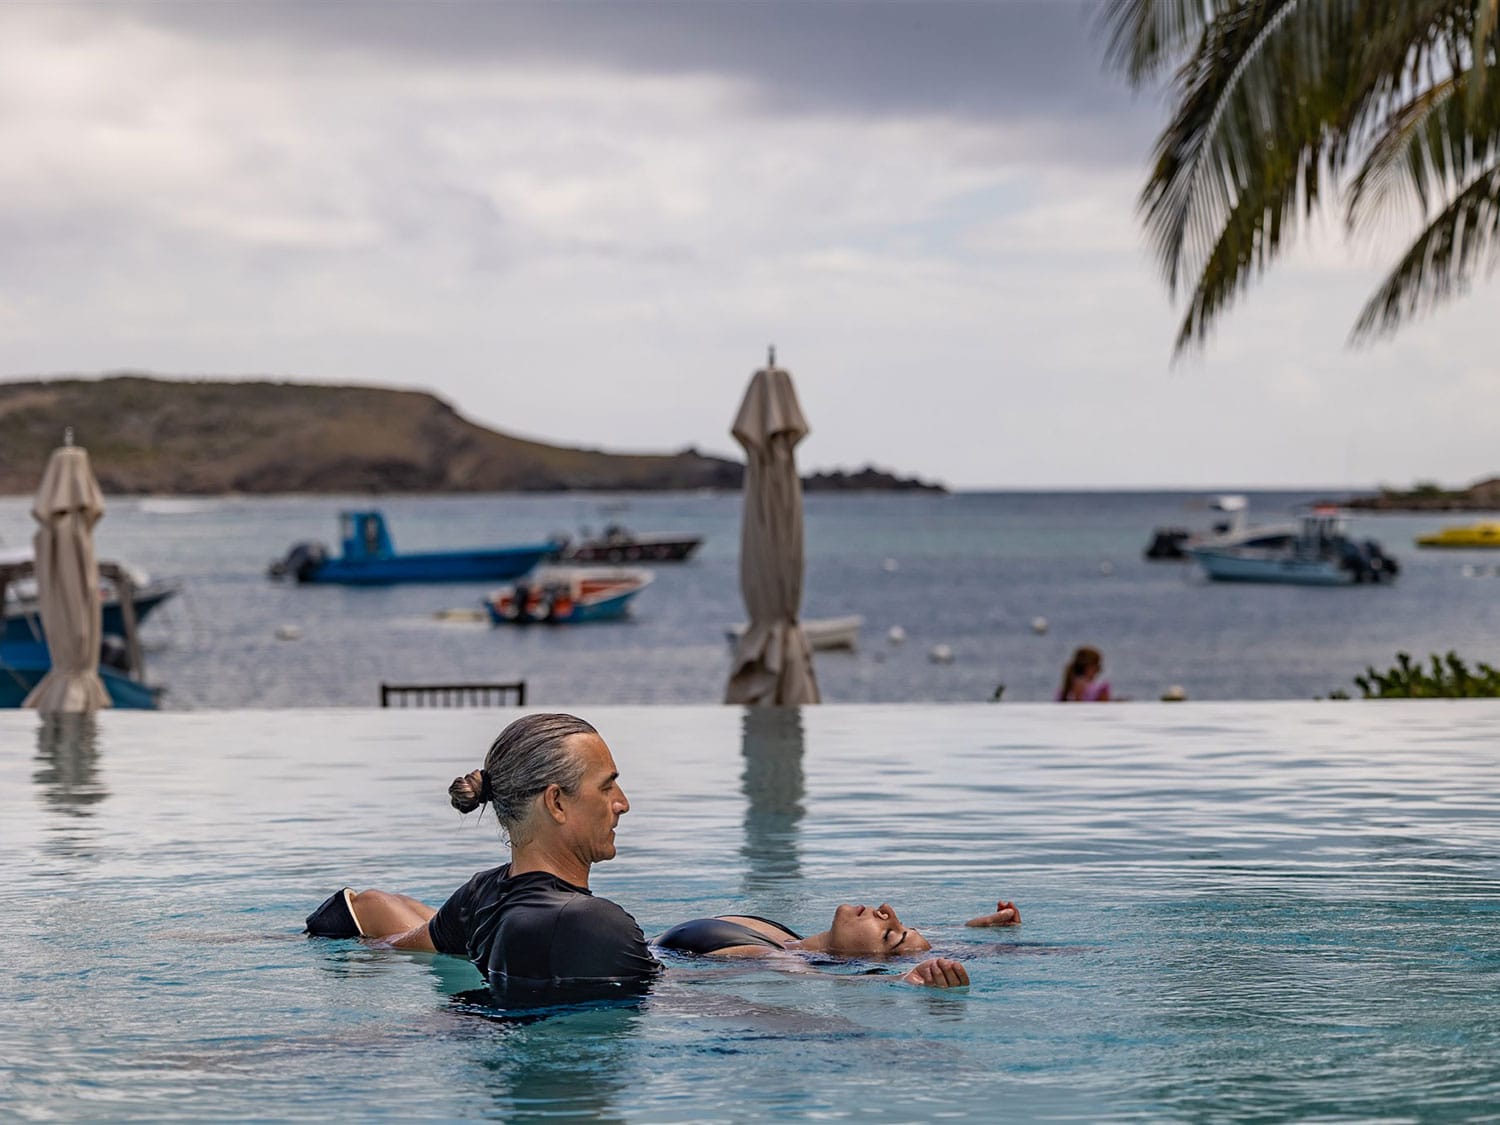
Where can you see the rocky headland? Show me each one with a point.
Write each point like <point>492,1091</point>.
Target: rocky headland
<point>1483,496</point>
<point>148,435</point>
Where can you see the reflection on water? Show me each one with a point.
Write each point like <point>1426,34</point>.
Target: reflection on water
<point>67,753</point>
<point>573,1066</point>
<point>774,790</point>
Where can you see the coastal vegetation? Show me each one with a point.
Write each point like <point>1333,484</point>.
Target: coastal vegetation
<point>206,437</point>
<point>1381,108</point>
<point>1443,677</point>
<point>1426,496</point>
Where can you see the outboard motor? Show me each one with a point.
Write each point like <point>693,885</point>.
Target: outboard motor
<point>1167,543</point>
<point>301,562</point>
<point>1382,567</point>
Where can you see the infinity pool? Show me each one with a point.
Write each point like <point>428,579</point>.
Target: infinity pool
<point>1232,912</point>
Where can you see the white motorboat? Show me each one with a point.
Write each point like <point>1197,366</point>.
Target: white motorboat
<point>1235,530</point>
<point>1319,553</point>
<point>822,632</point>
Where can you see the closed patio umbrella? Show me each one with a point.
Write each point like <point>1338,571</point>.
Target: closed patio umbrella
<point>772,661</point>
<point>68,505</point>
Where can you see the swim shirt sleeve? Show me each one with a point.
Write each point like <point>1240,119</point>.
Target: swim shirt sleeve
<point>596,940</point>
<point>447,927</point>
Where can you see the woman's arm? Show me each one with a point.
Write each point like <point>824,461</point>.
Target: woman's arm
<point>938,972</point>
<point>1006,914</point>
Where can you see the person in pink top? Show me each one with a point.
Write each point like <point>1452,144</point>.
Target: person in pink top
<point>1081,682</point>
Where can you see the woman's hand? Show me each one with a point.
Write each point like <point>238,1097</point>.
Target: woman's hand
<point>1006,914</point>
<point>938,972</point>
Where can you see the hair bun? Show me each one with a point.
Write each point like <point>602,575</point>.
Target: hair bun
<point>471,791</point>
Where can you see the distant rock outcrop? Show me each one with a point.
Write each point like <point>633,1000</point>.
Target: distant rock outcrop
<point>1481,497</point>
<point>196,437</point>
<point>867,479</point>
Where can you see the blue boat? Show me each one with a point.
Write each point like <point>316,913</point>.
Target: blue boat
<point>25,660</point>
<point>23,620</point>
<point>567,596</point>
<point>369,559</point>
<point>24,663</point>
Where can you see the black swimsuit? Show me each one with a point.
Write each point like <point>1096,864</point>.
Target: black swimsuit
<point>710,935</point>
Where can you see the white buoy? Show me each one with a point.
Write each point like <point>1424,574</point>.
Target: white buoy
<point>1039,625</point>
<point>941,654</point>
<point>288,633</point>
<point>890,566</point>
<point>896,634</point>
<point>1174,694</point>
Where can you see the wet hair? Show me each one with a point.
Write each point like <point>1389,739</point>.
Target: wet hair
<point>1085,657</point>
<point>528,756</point>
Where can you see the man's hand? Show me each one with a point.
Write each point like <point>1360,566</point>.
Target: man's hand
<point>938,972</point>
<point>1005,914</point>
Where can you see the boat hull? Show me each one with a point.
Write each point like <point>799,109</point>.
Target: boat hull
<point>561,597</point>
<point>1223,566</point>
<point>23,666</point>
<point>447,566</point>
<point>1485,536</point>
<point>639,550</point>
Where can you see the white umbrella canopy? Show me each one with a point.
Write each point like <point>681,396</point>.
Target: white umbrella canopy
<point>68,505</point>
<point>772,661</point>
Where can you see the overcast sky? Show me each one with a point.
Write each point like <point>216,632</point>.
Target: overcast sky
<point>585,222</point>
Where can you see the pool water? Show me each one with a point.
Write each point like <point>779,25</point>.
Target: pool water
<point>1231,912</point>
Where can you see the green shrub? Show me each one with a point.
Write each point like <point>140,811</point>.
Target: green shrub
<point>1445,677</point>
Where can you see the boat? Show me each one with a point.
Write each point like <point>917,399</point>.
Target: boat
<point>1235,530</point>
<point>370,559</point>
<point>24,663</point>
<point>22,615</point>
<point>619,544</point>
<point>1321,553</point>
<point>823,633</point>
<point>1486,534</point>
<point>25,660</point>
<point>567,596</point>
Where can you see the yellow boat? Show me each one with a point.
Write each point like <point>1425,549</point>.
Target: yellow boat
<point>1475,535</point>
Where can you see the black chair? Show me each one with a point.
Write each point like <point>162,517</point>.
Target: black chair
<point>453,695</point>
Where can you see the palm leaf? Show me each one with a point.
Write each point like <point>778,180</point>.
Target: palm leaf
<point>1146,37</point>
<point>1441,262</point>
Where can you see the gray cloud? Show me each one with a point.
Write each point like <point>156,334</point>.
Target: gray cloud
<point>982,61</point>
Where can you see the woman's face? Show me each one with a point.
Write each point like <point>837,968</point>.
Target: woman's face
<point>865,930</point>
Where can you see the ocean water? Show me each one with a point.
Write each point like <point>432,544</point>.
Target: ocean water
<point>1231,912</point>
<point>969,571</point>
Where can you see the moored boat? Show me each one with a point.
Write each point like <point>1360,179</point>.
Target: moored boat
<point>1483,535</point>
<point>619,544</point>
<point>1321,553</point>
<point>25,659</point>
<point>369,558</point>
<point>1233,531</point>
<point>22,615</point>
<point>567,595</point>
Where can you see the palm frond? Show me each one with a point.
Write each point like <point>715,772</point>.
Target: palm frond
<point>1251,235</point>
<point>1147,37</point>
<point>1236,132</point>
<point>1442,261</point>
<point>1410,163</point>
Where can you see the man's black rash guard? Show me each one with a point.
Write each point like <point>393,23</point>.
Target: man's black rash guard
<point>536,934</point>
